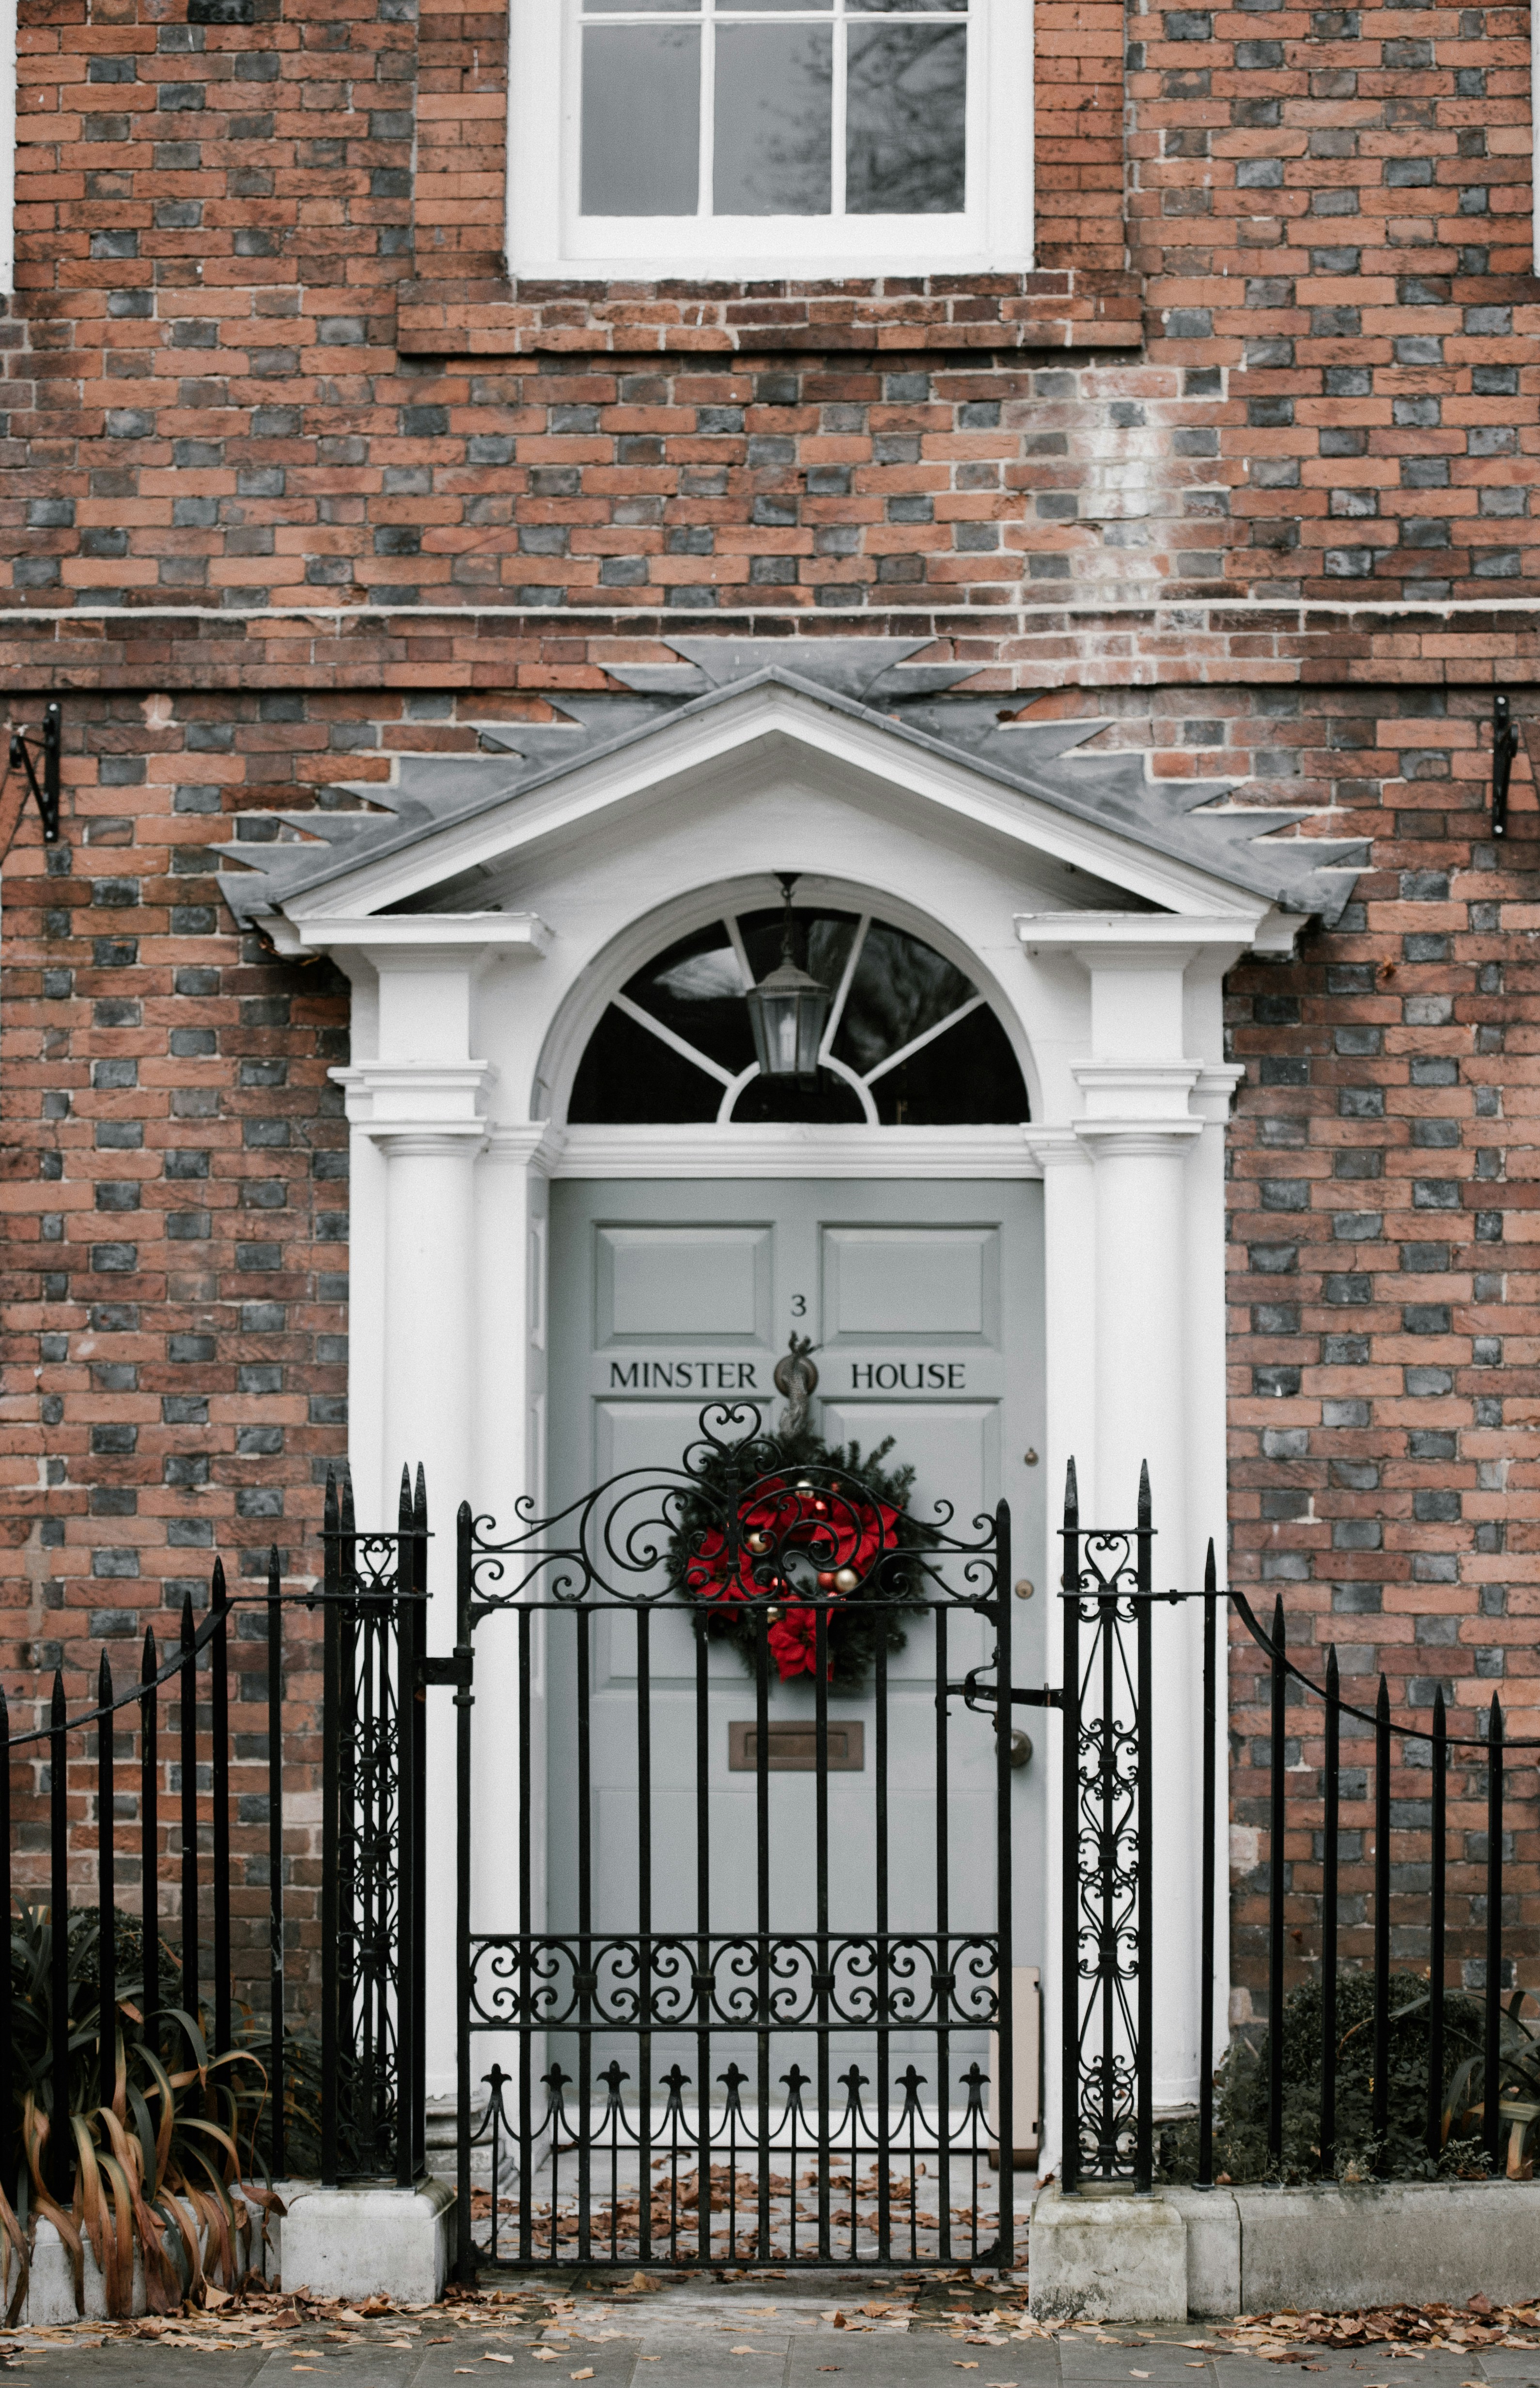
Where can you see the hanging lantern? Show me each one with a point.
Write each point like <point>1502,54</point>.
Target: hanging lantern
<point>788,1009</point>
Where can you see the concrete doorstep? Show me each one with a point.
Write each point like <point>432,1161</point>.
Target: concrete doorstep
<point>1177,2254</point>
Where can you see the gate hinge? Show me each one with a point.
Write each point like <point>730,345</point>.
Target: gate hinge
<point>454,1670</point>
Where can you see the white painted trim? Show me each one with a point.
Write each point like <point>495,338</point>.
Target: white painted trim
<point>8,145</point>
<point>514,932</point>
<point>837,1009</point>
<point>799,1151</point>
<point>1136,931</point>
<point>1535,121</point>
<point>546,237</point>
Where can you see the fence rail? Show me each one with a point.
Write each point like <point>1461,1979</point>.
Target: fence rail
<point>372,1595</point>
<point>1110,1606</point>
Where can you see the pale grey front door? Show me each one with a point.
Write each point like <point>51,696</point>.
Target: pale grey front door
<point>924,1302</point>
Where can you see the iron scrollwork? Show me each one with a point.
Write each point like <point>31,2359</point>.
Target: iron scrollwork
<point>633,1538</point>
<point>1105,1592</point>
<point>374,1594</point>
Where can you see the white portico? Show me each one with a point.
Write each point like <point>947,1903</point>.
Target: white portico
<point>490,925</point>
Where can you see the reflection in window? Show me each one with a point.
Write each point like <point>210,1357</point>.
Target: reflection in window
<point>910,1040</point>
<point>692,107</point>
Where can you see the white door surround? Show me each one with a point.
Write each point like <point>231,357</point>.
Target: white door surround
<point>472,1010</point>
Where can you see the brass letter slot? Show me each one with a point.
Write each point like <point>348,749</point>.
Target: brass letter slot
<point>794,1747</point>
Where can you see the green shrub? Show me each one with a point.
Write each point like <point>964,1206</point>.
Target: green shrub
<point>1241,2092</point>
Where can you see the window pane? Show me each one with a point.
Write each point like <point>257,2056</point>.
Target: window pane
<point>968,1076</point>
<point>829,1102</point>
<point>628,1076</point>
<point>906,137</point>
<point>781,7</point>
<point>906,7</point>
<point>641,119</point>
<point>774,108</point>
<point>696,989</point>
<point>901,988</point>
<point>642,7</point>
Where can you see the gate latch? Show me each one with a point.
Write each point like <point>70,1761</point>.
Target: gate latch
<point>981,1697</point>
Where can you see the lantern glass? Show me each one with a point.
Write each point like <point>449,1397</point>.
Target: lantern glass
<point>789,1011</point>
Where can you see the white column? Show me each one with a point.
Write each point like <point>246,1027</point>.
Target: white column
<point>1153,1271</point>
<point>430,1327</point>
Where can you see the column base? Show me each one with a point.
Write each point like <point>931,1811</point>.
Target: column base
<point>368,2242</point>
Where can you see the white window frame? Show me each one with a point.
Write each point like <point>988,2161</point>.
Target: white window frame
<point>7,147</point>
<point>547,238</point>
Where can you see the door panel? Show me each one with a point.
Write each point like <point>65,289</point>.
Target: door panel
<point>683,1283</point>
<point>911,1285</point>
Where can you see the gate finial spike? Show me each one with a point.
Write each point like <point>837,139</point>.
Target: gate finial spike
<point>1279,1632</point>
<point>420,1503</point>
<point>1332,1670</point>
<point>1143,1495</point>
<point>1210,1572</point>
<point>217,1593</point>
<point>150,1668</point>
<point>274,1574</point>
<point>1382,1705</point>
<point>1071,1495</point>
<point>104,1683</point>
<point>347,1522</point>
<point>403,1502</point>
<point>329,1515</point>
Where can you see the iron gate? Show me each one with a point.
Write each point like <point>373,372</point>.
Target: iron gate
<point>755,2021</point>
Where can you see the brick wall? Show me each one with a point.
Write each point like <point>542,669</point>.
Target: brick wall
<point>293,479</point>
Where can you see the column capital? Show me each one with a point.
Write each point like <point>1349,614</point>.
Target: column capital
<point>528,1144</point>
<point>1213,1096</point>
<point>1052,1148</point>
<point>1137,1096</point>
<point>407,1097</point>
<point>423,1141</point>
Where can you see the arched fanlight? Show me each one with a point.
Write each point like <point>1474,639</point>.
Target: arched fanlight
<point>788,1009</point>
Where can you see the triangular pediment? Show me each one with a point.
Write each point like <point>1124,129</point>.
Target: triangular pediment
<point>857,706</point>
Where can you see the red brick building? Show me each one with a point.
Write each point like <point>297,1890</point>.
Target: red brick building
<point>1216,427</point>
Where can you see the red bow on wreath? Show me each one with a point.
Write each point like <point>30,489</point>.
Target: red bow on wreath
<point>847,1537</point>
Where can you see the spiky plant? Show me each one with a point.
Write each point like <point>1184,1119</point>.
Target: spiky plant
<point>152,2170</point>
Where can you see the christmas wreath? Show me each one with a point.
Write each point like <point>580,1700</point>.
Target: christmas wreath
<point>786,1525</point>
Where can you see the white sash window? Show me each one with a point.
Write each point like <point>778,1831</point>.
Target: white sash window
<point>727,138</point>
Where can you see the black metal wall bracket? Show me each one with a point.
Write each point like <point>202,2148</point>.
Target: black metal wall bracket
<point>49,746</point>
<point>1505,746</point>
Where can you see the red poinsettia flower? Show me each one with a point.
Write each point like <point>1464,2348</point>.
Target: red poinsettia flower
<point>793,1641</point>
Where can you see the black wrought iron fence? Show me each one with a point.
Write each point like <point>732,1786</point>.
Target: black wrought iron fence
<point>177,1822</point>
<point>1361,1935</point>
